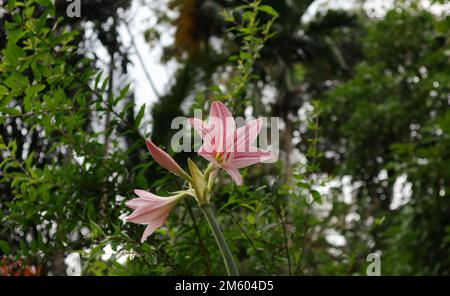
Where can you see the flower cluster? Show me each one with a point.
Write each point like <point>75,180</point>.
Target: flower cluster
<point>224,145</point>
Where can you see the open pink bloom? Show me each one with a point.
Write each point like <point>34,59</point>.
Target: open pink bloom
<point>151,210</point>
<point>225,145</point>
<point>164,159</point>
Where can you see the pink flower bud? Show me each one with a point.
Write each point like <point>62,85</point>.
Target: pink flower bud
<point>164,159</point>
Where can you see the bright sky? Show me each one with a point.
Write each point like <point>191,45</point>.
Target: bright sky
<point>141,17</point>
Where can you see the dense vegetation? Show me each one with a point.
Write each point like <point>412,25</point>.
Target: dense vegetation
<point>365,139</point>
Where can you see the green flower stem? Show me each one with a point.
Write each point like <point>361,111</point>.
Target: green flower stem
<point>208,171</point>
<point>185,176</point>
<point>226,253</point>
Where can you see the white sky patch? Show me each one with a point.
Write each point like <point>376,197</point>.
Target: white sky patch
<point>347,189</point>
<point>373,8</point>
<point>120,257</point>
<point>401,192</point>
<point>140,18</point>
<point>352,217</point>
<point>382,175</point>
<point>123,216</point>
<point>322,6</point>
<point>108,252</point>
<point>334,238</point>
<point>436,8</point>
<point>73,262</point>
<point>378,8</point>
<point>216,43</point>
<point>345,183</point>
<point>296,156</point>
<point>269,93</point>
<point>248,111</point>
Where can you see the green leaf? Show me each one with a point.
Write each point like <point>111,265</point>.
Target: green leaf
<point>4,246</point>
<point>316,196</point>
<point>33,246</point>
<point>303,185</point>
<point>11,4</point>
<point>139,116</point>
<point>379,221</point>
<point>30,94</point>
<point>36,72</point>
<point>14,36</point>
<point>3,90</point>
<point>16,81</point>
<point>96,230</point>
<point>124,91</point>
<point>268,9</point>
<point>13,53</point>
<point>11,111</point>
<point>28,12</point>
<point>104,84</point>
<point>244,55</point>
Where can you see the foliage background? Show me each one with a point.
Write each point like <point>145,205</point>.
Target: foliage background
<point>364,102</point>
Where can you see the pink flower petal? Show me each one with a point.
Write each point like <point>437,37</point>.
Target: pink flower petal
<point>147,200</point>
<point>244,159</point>
<point>206,155</point>
<point>153,225</point>
<point>227,147</point>
<point>222,124</point>
<point>145,207</point>
<point>205,132</point>
<point>247,134</point>
<point>219,110</point>
<point>234,173</point>
<point>136,203</point>
<point>202,128</point>
<point>163,159</point>
<point>144,216</point>
<point>150,209</point>
<point>148,195</point>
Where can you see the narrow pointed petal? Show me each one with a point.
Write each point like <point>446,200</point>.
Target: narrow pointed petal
<point>148,195</point>
<point>222,124</point>
<point>200,126</point>
<point>148,200</point>
<point>234,173</point>
<point>147,232</point>
<point>207,155</point>
<point>230,148</point>
<point>145,216</point>
<point>244,159</point>
<point>153,225</point>
<point>147,210</point>
<point>164,159</point>
<point>205,132</point>
<point>219,110</point>
<point>247,134</point>
<point>136,203</point>
<point>151,209</point>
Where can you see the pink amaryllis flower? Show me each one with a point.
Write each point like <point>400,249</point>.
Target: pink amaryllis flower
<point>151,210</point>
<point>226,146</point>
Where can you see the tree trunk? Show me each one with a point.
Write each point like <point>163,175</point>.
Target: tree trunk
<point>58,265</point>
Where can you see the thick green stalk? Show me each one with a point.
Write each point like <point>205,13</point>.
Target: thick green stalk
<point>208,171</point>
<point>220,239</point>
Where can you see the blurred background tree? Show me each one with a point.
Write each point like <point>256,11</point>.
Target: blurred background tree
<point>364,104</point>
